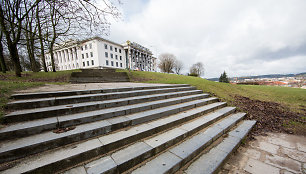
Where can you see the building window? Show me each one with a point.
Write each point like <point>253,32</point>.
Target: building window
<point>77,65</point>
<point>87,63</point>
<point>91,54</point>
<point>82,56</point>
<point>86,55</point>
<point>116,64</point>
<point>119,50</point>
<point>111,55</point>
<point>106,54</point>
<point>116,57</point>
<point>111,48</point>
<point>85,47</point>
<point>90,46</point>
<point>82,48</point>
<point>83,64</point>
<point>106,62</point>
<point>112,63</point>
<point>105,46</point>
<point>115,49</point>
<point>92,62</point>
<point>121,65</point>
<point>120,57</point>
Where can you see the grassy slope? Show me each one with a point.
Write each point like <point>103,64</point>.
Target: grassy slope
<point>293,98</point>
<point>9,83</point>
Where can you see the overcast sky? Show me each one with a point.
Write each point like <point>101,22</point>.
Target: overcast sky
<point>242,37</point>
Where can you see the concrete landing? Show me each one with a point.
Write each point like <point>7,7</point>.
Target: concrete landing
<point>275,153</point>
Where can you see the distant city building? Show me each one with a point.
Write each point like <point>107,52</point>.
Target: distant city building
<point>99,53</point>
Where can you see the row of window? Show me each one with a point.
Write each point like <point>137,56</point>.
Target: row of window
<point>92,63</point>
<point>69,67</point>
<point>112,63</point>
<point>111,48</point>
<point>86,47</point>
<point>112,56</point>
<point>91,55</point>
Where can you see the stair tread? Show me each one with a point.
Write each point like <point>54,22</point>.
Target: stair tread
<point>51,156</point>
<point>83,104</point>
<point>103,126</point>
<point>186,149</point>
<point>73,92</point>
<point>210,162</point>
<point>89,95</point>
<point>59,119</point>
<point>130,152</point>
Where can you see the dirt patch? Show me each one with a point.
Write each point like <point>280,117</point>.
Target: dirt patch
<point>271,117</point>
<point>62,130</point>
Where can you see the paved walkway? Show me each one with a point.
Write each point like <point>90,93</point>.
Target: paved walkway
<point>273,154</point>
<point>85,86</point>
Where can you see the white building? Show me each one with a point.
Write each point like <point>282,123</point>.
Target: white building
<point>99,53</point>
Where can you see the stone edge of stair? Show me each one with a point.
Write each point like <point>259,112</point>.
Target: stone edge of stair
<point>18,96</point>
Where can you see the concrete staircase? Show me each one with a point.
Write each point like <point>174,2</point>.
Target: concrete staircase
<point>152,129</point>
<point>98,76</point>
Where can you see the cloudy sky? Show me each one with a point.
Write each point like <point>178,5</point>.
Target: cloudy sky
<point>239,36</point>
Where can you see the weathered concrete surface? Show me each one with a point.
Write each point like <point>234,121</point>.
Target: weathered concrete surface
<point>275,153</point>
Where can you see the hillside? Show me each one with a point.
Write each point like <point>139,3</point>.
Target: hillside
<point>277,109</point>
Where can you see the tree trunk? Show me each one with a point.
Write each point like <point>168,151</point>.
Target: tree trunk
<point>42,50</point>
<point>52,56</point>
<point>15,58</point>
<point>2,62</point>
<point>30,48</point>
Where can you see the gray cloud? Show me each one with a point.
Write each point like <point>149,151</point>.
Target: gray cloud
<point>238,36</point>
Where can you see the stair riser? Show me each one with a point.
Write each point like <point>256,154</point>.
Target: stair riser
<point>79,109</point>
<point>19,153</point>
<point>131,163</point>
<point>98,97</point>
<point>204,146</point>
<point>126,166</point>
<point>82,92</point>
<point>54,125</point>
<point>60,165</point>
<point>126,112</point>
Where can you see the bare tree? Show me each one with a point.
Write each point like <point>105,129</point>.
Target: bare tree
<point>167,62</point>
<point>2,61</point>
<point>12,16</point>
<point>39,23</point>
<point>50,21</point>
<point>197,69</point>
<point>178,66</point>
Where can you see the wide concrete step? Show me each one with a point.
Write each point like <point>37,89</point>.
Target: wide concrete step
<point>53,101</point>
<point>14,149</point>
<point>30,114</point>
<point>211,161</point>
<point>40,125</point>
<point>175,157</point>
<point>134,154</point>
<point>59,159</point>
<point>16,117</point>
<point>90,91</point>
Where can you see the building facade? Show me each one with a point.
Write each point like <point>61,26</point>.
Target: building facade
<point>138,57</point>
<point>99,53</point>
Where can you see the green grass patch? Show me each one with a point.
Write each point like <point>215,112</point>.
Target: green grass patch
<point>10,83</point>
<point>293,98</point>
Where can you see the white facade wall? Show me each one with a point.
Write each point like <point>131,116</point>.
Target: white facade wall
<point>96,53</point>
